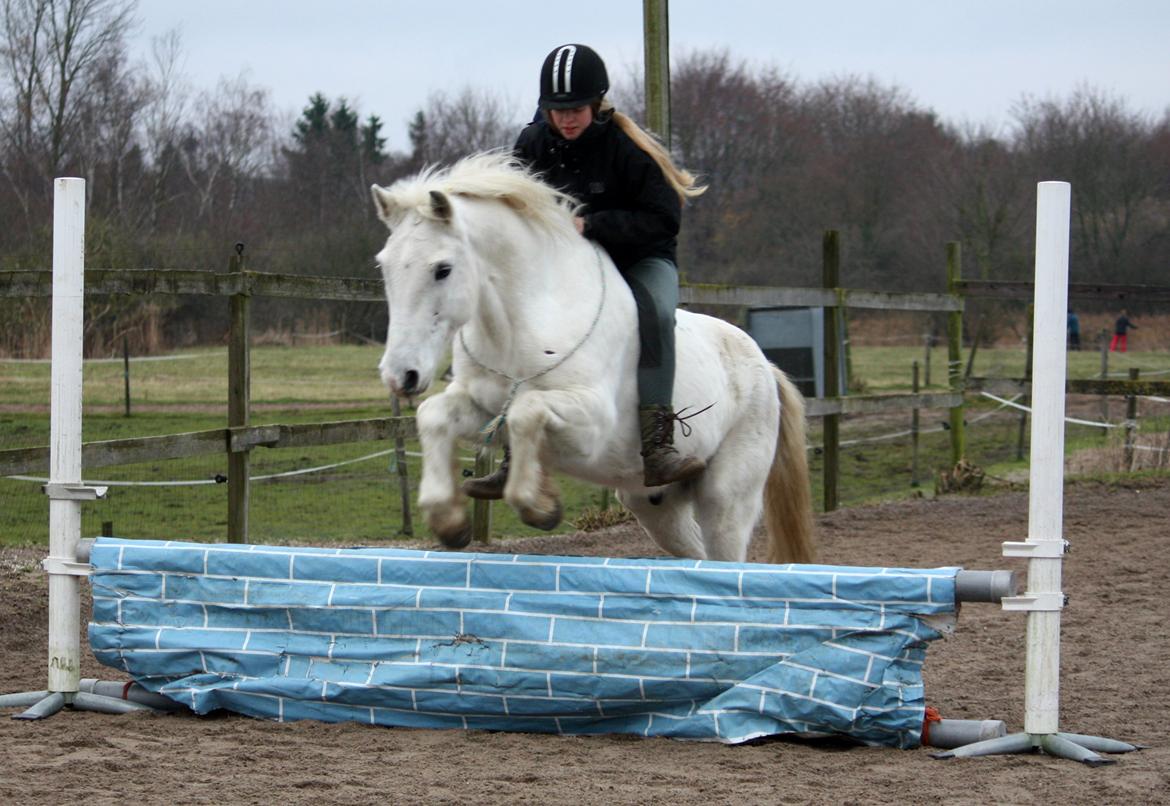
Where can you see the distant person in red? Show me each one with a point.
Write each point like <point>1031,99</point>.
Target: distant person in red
<point>1120,329</point>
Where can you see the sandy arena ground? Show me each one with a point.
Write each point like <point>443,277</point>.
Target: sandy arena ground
<point>1115,667</point>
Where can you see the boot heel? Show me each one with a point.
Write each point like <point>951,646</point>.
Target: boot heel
<point>491,486</point>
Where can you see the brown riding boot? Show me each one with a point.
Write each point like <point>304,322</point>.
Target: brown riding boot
<point>491,486</point>
<point>661,463</point>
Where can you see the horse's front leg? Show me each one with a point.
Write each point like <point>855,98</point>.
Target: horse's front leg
<point>442,420</point>
<point>541,425</point>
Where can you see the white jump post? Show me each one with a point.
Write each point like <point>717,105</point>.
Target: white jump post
<point>65,489</point>
<point>65,432</point>
<point>1046,546</point>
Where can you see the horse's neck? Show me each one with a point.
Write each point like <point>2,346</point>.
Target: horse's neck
<point>536,289</point>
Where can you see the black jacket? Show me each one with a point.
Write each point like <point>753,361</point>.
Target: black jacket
<point>630,207</point>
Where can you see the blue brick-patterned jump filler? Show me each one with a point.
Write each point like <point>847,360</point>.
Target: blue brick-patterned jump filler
<point>657,647</point>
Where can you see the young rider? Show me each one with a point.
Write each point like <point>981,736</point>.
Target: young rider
<point>632,196</point>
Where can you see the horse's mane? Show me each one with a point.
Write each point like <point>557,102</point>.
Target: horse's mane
<point>490,175</point>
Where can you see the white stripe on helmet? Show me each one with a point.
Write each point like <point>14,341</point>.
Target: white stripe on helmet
<point>568,52</point>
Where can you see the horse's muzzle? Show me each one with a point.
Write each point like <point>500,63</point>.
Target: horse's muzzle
<point>410,382</point>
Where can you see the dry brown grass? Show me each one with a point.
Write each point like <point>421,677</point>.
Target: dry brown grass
<point>1150,452</point>
<point>593,519</point>
<point>903,328</point>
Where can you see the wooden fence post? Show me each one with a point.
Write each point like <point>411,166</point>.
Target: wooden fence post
<point>656,57</point>
<point>914,480</point>
<point>1027,377</point>
<point>1130,421</point>
<point>831,279</point>
<point>926,360</point>
<point>955,352</point>
<point>400,466</point>
<point>239,400</point>
<point>126,370</point>
<point>481,511</point>
<point>1103,340</point>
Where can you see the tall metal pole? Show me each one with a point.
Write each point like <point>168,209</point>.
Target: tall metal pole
<point>656,32</point>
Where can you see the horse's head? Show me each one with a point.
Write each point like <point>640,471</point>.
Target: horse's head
<point>431,279</point>
<point>452,232</point>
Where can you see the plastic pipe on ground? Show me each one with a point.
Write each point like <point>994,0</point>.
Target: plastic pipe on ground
<point>131,692</point>
<point>951,733</point>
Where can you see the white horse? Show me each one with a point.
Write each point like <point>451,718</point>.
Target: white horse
<point>483,259</point>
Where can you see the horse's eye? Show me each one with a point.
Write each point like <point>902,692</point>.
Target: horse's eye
<point>442,270</point>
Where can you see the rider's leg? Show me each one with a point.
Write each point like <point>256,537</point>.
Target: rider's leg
<point>491,486</point>
<point>654,283</point>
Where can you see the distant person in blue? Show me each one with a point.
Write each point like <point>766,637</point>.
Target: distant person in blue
<point>1074,330</point>
<point>1120,332</point>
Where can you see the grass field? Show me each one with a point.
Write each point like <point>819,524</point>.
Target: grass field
<point>355,499</point>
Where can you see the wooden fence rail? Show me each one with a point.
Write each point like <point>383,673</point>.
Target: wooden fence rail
<point>241,284</point>
<point>110,453</point>
<point>1001,289</point>
<point>199,283</point>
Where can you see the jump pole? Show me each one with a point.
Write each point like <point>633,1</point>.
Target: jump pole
<point>65,490</point>
<point>1045,547</point>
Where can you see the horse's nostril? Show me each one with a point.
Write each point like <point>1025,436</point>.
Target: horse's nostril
<point>410,383</point>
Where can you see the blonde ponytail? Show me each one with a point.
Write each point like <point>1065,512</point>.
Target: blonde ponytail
<point>682,180</point>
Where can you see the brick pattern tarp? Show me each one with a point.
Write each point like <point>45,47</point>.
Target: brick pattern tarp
<point>573,645</point>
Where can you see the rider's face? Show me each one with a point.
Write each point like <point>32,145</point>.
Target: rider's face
<point>571,122</point>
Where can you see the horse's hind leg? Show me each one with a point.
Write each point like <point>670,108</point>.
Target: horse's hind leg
<point>728,501</point>
<point>667,516</point>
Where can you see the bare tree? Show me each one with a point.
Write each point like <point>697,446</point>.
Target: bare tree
<point>53,50</point>
<point>1095,142</point>
<point>453,126</point>
<point>163,118</point>
<point>24,60</point>
<point>231,145</point>
<point>110,123</point>
<point>874,149</point>
<point>741,131</point>
<point>53,53</point>
<point>786,162</point>
<point>980,181</point>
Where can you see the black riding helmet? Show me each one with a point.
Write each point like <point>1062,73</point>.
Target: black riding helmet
<point>572,76</point>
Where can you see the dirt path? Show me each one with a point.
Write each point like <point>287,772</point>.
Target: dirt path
<point>1115,663</point>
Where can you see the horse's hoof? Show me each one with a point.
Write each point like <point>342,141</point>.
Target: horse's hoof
<point>459,539</point>
<point>540,519</point>
<point>454,530</point>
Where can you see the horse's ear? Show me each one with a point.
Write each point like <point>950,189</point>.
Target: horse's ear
<point>440,206</point>
<point>383,203</point>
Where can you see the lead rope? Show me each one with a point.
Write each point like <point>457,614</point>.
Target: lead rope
<point>497,422</point>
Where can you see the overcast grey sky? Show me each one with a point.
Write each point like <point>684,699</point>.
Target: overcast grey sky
<point>968,60</point>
